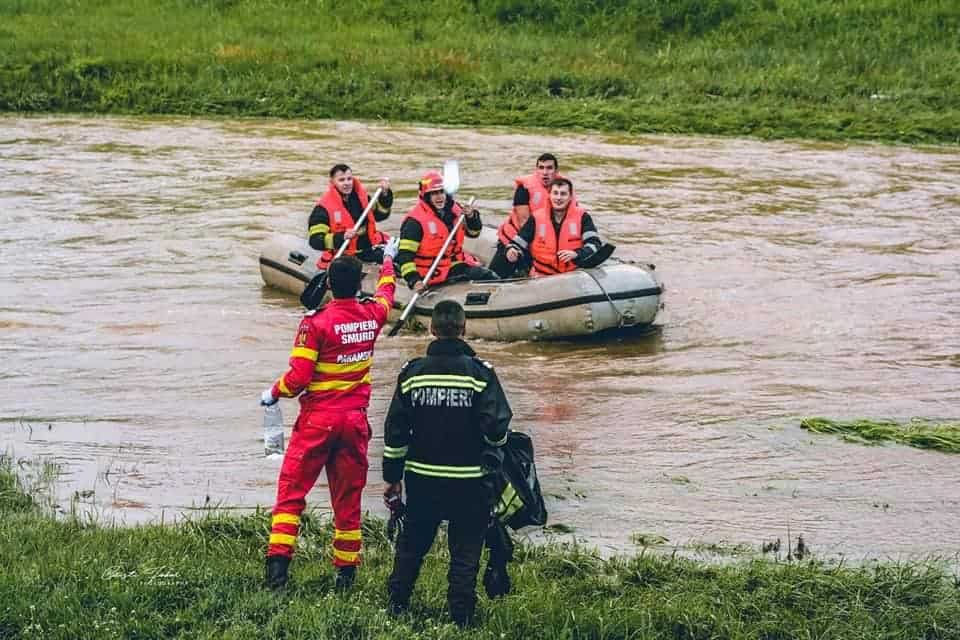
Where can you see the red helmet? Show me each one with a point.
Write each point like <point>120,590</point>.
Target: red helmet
<point>431,181</point>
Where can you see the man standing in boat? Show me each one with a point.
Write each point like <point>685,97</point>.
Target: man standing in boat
<point>530,192</point>
<point>330,362</point>
<point>425,229</point>
<point>448,407</point>
<point>335,213</point>
<point>558,237</point>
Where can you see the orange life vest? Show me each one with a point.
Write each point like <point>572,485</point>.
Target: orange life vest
<point>341,221</point>
<point>546,244</point>
<point>539,197</point>
<point>435,233</point>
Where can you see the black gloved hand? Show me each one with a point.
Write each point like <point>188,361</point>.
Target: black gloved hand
<point>496,580</point>
<point>397,511</point>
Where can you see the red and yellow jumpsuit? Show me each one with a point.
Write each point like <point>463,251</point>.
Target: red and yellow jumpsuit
<point>330,363</point>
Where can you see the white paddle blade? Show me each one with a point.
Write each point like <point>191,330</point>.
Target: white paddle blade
<point>451,176</point>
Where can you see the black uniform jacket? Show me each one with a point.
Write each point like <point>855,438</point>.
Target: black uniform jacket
<point>447,408</point>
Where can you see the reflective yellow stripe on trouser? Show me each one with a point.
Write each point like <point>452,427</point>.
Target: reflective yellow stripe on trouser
<point>283,529</point>
<point>346,546</point>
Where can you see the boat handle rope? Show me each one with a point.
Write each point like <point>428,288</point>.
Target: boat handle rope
<point>621,322</point>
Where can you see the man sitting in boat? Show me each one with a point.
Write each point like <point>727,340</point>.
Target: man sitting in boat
<point>530,192</point>
<point>335,214</point>
<point>425,229</point>
<point>557,237</point>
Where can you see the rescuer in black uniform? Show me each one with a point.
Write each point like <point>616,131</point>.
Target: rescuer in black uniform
<point>448,408</point>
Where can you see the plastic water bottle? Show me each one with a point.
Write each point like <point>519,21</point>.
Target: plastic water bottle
<point>272,430</point>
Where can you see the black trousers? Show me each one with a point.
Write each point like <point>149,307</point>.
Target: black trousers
<point>506,269</point>
<point>465,505</point>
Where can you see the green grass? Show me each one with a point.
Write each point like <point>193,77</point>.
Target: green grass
<point>943,436</point>
<point>202,579</point>
<point>882,70</point>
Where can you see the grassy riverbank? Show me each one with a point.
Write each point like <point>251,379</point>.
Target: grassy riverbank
<point>882,70</point>
<point>72,579</point>
<point>923,434</point>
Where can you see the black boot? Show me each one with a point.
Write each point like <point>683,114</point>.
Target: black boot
<point>344,578</point>
<point>463,618</point>
<point>277,571</point>
<point>397,607</point>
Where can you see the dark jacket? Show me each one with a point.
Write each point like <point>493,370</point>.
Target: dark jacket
<point>447,409</point>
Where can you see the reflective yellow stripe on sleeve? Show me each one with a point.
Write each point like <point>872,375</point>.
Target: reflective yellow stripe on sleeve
<point>409,245</point>
<point>319,228</point>
<point>283,387</point>
<point>386,280</point>
<point>395,452</point>
<point>407,268</point>
<point>303,352</point>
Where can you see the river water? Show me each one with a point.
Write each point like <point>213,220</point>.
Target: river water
<point>802,279</point>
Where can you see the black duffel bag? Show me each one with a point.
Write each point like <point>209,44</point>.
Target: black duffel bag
<point>517,500</point>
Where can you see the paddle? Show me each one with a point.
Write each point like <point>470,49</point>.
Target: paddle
<point>598,257</point>
<point>451,182</point>
<point>313,294</point>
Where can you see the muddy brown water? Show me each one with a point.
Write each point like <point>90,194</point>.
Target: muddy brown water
<point>802,279</point>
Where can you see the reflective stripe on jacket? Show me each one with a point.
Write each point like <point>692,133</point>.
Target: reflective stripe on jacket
<point>446,409</point>
<point>333,351</point>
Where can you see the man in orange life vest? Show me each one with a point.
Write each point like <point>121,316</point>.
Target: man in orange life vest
<point>425,229</point>
<point>335,213</point>
<point>557,236</point>
<point>330,361</point>
<point>530,192</point>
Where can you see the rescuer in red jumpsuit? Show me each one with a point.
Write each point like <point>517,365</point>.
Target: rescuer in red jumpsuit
<point>330,364</point>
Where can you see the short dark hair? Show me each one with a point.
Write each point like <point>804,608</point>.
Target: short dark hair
<point>556,182</point>
<point>549,156</point>
<point>337,168</point>
<point>448,319</point>
<point>344,275</point>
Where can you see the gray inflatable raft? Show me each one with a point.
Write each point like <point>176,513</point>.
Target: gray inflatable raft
<point>579,303</point>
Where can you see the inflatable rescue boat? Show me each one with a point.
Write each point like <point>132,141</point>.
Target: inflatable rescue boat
<point>583,302</point>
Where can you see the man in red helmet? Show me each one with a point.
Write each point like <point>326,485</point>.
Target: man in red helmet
<point>335,213</point>
<point>425,229</point>
<point>330,363</point>
<point>530,192</point>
